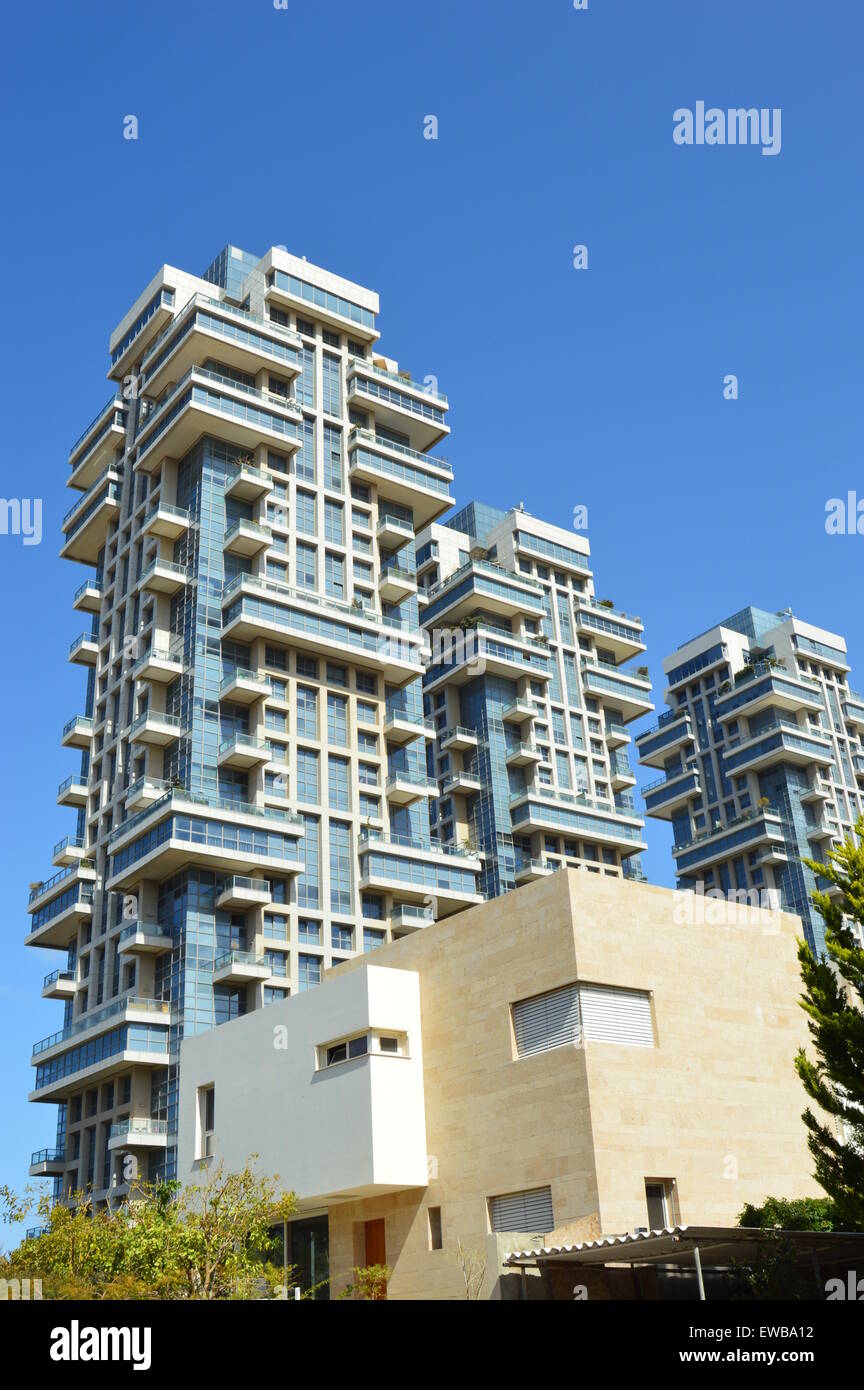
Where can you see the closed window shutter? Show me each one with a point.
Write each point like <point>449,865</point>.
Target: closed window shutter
<point>523,1211</point>
<point>547,1021</point>
<point>616,1015</point>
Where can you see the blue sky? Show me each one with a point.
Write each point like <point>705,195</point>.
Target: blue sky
<point>601,387</point>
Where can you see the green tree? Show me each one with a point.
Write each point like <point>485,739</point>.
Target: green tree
<point>834,1002</point>
<point>198,1242</point>
<point>791,1214</point>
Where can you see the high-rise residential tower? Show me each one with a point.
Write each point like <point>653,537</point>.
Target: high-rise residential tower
<point>762,757</point>
<point>529,697</point>
<point>252,801</point>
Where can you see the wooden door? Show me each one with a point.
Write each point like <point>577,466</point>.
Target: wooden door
<point>376,1248</point>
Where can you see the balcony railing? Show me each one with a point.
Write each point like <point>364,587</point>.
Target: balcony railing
<point>131,1127</point>
<point>238,958</point>
<point>56,879</point>
<point>358,435</point>
<point>423,846</point>
<point>213,803</point>
<point>363,364</point>
<point>81,1025</point>
<point>69,842</point>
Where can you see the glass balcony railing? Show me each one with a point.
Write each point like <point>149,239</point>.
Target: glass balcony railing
<point>359,435</point>
<point>203,301</point>
<point>78,721</point>
<point>166,567</point>
<point>128,1128</point>
<point>363,364</point>
<point>212,803</point>
<point>241,741</point>
<point>69,842</point>
<point>180,513</point>
<point>240,674</point>
<point>113,472</point>
<point>419,843</point>
<point>116,401</point>
<point>82,589</point>
<point>169,721</point>
<point>152,929</point>
<point>249,527</point>
<point>57,975</point>
<point>46,1156</point>
<point>49,884</point>
<point>81,1025</point>
<point>238,958</point>
<point>83,638</point>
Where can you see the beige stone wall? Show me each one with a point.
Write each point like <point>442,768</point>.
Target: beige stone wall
<point>715,1105</point>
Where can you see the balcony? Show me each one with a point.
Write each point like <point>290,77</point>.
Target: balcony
<point>853,709</point>
<point>243,751</point>
<point>255,608</point>
<point>156,728</point>
<point>69,850</point>
<point>671,732</point>
<point>247,484</point>
<point>205,402</point>
<point>764,686</point>
<point>72,791</point>
<point>88,596</point>
<point>240,968</point>
<point>399,403</point>
<point>48,1163</point>
<point>159,664</point>
<point>127,1009</point>
<point>166,521</point>
<point>523,755</point>
<point>529,870</point>
<point>239,892</point>
<point>242,687</point>
<point>55,926</point>
<point>357,320</point>
<point>135,1133</point>
<point>482,584</point>
<point>392,532</point>
<point>417,870</point>
<point>145,792</point>
<point>50,888</point>
<point>95,448</point>
<point>668,794</point>
<point>190,828</point>
<point>395,584</point>
<point>628,691</point>
<point>404,787</point>
<point>60,984</point>
<point>779,741</point>
<point>400,474</point>
<point>208,327</point>
<point>459,739</point>
<point>247,538</point>
<point>755,829</point>
<point>461,656</point>
<point>401,727</point>
<point>85,525</point>
<point>616,734</point>
<point>818,790</point>
<point>621,774</point>
<point>145,939</point>
<point>77,732</point>
<point>578,815</point>
<point>518,712</point>
<point>84,651</point>
<point>164,577</point>
<point>406,918</point>
<point>616,632</point>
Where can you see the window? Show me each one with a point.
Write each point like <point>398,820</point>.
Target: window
<point>309,972</point>
<point>334,522</point>
<point>337,720</point>
<point>434,1217</point>
<point>341,938</point>
<point>660,1200</point>
<point>529,1211</point>
<point>307,712</point>
<point>334,575</point>
<point>305,512</point>
<point>206,1120</point>
<point>305,566</point>
<point>309,932</point>
<point>333,458</point>
<point>367,713</point>
<point>583,1013</point>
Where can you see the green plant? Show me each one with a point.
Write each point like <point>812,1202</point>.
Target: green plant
<point>370,1283</point>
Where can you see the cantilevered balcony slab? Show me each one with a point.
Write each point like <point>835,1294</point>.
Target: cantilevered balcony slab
<point>529,870</point>
<point>241,687</point>
<point>407,918</point>
<point>244,751</point>
<point>461,783</point>
<point>403,788</point>
<point>616,632</point>
<point>159,664</point>
<point>48,1163</point>
<point>756,829</point>
<point>665,796</point>
<point>401,728</point>
<point>239,892</point>
<point>390,864</point>
<point>145,939</point>
<point>60,984</point>
<point>767,688</point>
<point>164,577</point>
<point>481,584</point>
<point>395,584</point>
<point>145,791</point>
<point>92,452</point>
<point>247,484</point>
<point>154,1052</point>
<point>138,1133</point>
<point>85,526</point>
<point>167,521</point>
<point>72,791</point>
<point>209,328</point>
<point>156,728</point>
<point>247,538</point>
<point>240,968</point>
<point>56,929</point>
<point>69,850</point>
<point>458,657</point>
<point>398,403</point>
<point>518,712</point>
<point>77,732</point>
<point>781,742</point>
<point>624,690</point>
<point>204,402</point>
<point>392,532</point>
<point>460,739</point>
<point>401,474</point>
<point>523,755</point>
<point>84,651</point>
<point>672,732</point>
<point>88,596</point>
<point>183,829</point>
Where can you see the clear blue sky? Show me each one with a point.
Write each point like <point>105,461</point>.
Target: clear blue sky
<point>604,387</point>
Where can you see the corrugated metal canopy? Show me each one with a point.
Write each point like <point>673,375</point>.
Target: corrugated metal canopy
<point>718,1245</point>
